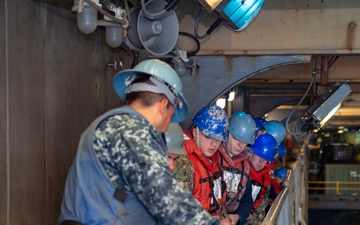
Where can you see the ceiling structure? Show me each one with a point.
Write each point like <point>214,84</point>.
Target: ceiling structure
<point>321,29</point>
<point>288,89</point>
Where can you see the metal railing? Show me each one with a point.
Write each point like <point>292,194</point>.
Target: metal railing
<point>290,206</point>
<point>334,185</point>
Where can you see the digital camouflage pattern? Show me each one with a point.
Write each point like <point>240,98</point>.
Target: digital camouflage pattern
<point>259,214</point>
<point>184,173</point>
<point>133,155</point>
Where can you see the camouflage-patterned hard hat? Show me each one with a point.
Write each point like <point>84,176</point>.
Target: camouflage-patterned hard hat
<point>212,122</point>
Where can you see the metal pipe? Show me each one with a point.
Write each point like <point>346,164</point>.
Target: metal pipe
<point>324,77</point>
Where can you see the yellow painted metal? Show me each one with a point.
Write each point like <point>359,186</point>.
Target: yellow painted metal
<point>337,186</point>
<point>210,5</point>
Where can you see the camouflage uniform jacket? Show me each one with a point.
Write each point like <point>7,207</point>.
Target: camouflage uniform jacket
<point>134,157</point>
<point>259,213</point>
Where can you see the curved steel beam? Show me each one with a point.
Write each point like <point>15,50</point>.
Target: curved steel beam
<point>218,74</point>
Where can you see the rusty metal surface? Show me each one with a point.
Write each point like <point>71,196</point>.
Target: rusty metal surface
<point>284,27</point>
<point>4,152</point>
<point>57,81</point>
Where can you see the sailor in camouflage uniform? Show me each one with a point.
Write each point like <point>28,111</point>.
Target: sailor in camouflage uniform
<point>199,171</point>
<point>120,174</point>
<point>175,143</point>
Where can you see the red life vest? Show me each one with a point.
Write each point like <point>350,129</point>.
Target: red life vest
<point>235,174</point>
<point>208,188</point>
<point>276,186</point>
<point>261,179</point>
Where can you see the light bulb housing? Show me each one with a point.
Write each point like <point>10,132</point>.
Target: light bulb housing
<point>87,19</point>
<point>325,107</point>
<point>238,14</point>
<point>114,36</point>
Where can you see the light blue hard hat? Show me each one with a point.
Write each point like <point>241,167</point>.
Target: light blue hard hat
<point>163,72</point>
<point>212,122</point>
<point>242,127</point>
<point>174,137</point>
<point>276,129</point>
<point>265,147</point>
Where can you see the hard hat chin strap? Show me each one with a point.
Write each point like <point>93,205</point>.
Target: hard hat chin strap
<point>158,87</point>
<point>198,137</point>
<point>229,145</point>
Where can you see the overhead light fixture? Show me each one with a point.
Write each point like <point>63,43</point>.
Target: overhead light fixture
<point>115,21</point>
<point>231,96</point>
<point>237,13</point>
<point>325,107</point>
<point>330,114</point>
<point>114,33</point>
<point>86,16</point>
<point>221,102</point>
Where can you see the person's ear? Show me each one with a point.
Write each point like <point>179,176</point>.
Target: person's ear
<point>163,106</point>
<point>193,130</point>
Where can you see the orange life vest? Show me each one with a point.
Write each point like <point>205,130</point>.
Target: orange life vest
<point>261,179</point>
<point>236,174</point>
<point>208,185</point>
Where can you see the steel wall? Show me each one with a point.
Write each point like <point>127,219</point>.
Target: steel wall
<point>54,81</point>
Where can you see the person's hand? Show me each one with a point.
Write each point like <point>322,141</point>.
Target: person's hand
<point>270,201</point>
<point>234,218</point>
<point>225,221</point>
<point>249,217</point>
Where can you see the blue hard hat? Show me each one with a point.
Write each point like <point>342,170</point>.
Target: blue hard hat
<point>281,172</point>
<point>276,129</point>
<point>242,127</point>
<point>265,147</point>
<point>163,72</point>
<point>281,150</point>
<point>212,122</point>
<point>259,123</point>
